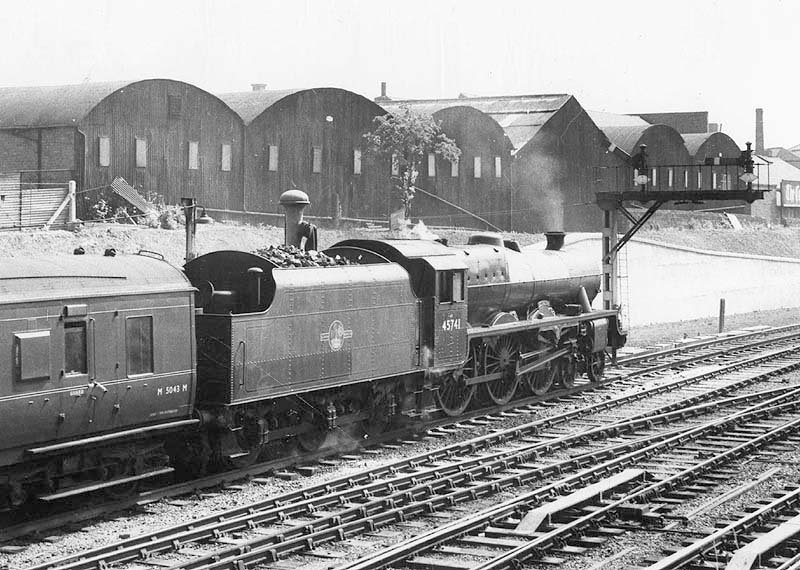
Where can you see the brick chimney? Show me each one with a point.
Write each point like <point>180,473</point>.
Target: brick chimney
<point>259,86</point>
<point>759,131</point>
<point>383,97</point>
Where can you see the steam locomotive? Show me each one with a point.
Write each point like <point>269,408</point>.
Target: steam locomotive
<point>119,369</point>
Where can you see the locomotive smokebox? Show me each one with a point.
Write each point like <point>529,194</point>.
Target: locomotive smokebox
<point>294,202</point>
<point>555,240</point>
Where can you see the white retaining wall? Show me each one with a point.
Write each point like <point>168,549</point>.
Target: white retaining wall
<point>669,283</point>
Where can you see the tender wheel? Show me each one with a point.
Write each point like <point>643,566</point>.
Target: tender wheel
<point>502,358</point>
<point>454,395</point>
<point>568,370</point>
<point>542,380</point>
<point>595,366</point>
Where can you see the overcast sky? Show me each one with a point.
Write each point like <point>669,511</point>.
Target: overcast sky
<point>724,57</point>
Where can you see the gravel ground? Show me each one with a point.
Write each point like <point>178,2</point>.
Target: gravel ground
<point>169,512</point>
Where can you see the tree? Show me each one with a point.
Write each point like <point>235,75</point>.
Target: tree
<point>407,137</point>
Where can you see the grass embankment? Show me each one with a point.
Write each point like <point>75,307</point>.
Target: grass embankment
<point>784,242</point>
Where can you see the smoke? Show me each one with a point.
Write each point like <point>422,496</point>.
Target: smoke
<point>545,175</point>
<point>418,231</point>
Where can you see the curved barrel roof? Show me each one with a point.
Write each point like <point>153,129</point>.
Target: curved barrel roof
<point>52,106</point>
<point>60,105</point>
<point>520,116</point>
<point>80,276</point>
<point>250,105</point>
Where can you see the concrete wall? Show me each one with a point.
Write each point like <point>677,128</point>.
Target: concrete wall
<point>670,283</point>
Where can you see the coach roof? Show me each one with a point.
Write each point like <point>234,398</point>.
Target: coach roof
<point>24,279</point>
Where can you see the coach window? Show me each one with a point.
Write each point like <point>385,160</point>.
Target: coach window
<point>75,360</point>
<point>477,166</point>
<point>139,345</point>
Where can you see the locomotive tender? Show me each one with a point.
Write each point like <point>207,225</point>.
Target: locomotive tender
<point>101,386</point>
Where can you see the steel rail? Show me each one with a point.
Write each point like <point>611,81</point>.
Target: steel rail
<point>346,489</point>
<point>703,343</point>
<point>442,493</point>
<point>513,558</point>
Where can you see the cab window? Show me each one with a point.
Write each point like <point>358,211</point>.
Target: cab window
<point>450,286</point>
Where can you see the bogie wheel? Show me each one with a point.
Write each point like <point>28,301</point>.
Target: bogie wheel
<point>595,366</point>
<point>315,434</point>
<point>502,357</point>
<point>542,380</point>
<point>568,369</point>
<point>454,395</point>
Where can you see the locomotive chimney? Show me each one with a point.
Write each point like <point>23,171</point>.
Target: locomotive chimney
<point>759,131</point>
<point>555,240</point>
<point>294,202</point>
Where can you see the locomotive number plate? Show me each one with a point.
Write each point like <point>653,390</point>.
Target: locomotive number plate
<point>451,323</point>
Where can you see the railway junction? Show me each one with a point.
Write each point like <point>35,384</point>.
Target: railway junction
<point>623,474</point>
<point>678,457</point>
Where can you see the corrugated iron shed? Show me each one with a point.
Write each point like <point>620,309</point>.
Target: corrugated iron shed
<point>603,119</point>
<point>521,116</point>
<point>52,106</point>
<point>250,104</point>
<point>626,138</point>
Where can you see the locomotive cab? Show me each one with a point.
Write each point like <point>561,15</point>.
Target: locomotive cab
<point>438,278</point>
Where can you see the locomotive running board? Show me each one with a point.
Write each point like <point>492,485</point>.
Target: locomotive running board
<point>105,485</point>
<point>101,439</point>
<point>519,326</point>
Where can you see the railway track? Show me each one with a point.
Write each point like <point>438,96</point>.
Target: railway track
<point>423,484</point>
<point>633,369</point>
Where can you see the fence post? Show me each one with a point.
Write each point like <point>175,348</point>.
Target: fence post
<point>721,315</point>
<point>73,216</point>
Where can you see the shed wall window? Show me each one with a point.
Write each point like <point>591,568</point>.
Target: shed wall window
<point>454,168</point>
<point>714,181</point>
<point>139,345</point>
<point>75,348</point>
<point>225,159</point>
<point>699,179</point>
<point>431,164</point>
<point>685,178</point>
<point>498,167</point>
<point>670,177</point>
<point>104,151</point>
<point>316,159</point>
<point>477,165</point>
<point>194,155</point>
<point>395,165</point>
<point>174,106</point>
<point>141,153</point>
<point>654,177</point>
<point>356,161</point>
<point>272,158</point>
